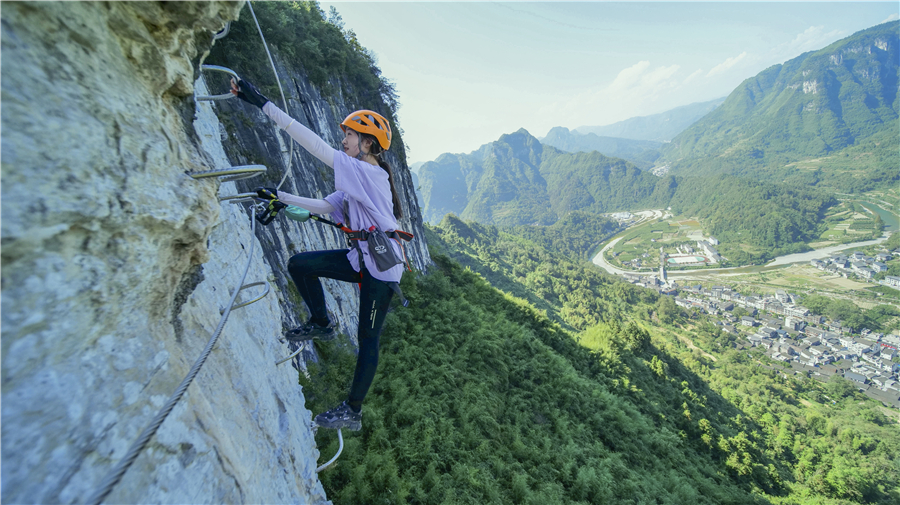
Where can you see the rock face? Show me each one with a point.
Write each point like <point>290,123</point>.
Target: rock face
<point>116,264</point>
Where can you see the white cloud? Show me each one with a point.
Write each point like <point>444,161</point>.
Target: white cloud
<point>892,17</point>
<point>814,37</point>
<point>693,76</point>
<point>638,78</point>
<point>727,64</point>
<point>636,90</point>
<point>811,39</point>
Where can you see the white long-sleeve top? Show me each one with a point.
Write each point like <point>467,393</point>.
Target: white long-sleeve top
<point>364,186</point>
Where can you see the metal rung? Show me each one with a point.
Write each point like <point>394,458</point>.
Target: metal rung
<point>231,174</point>
<point>239,198</point>
<point>298,351</point>
<point>223,32</point>
<point>258,298</point>
<point>340,448</point>
<point>218,69</point>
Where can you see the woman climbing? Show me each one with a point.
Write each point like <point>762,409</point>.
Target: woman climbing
<point>365,200</point>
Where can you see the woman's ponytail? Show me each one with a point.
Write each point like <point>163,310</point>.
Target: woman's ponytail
<point>398,210</point>
<point>378,152</point>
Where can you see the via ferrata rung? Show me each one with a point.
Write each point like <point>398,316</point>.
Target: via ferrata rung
<point>223,96</point>
<point>223,32</point>
<point>231,174</point>
<point>298,351</point>
<point>258,298</point>
<point>340,448</point>
<point>239,198</point>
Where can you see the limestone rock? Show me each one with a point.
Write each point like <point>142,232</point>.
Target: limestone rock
<point>115,266</point>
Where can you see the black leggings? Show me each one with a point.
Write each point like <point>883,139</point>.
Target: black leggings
<point>374,298</point>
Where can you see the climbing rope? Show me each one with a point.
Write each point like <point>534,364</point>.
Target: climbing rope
<point>280,89</point>
<point>106,486</point>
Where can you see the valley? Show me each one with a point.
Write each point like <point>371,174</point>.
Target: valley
<point>690,255</point>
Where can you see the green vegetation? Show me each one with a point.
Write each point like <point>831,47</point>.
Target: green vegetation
<point>570,292</point>
<point>481,400</point>
<point>880,318</point>
<point>301,35</point>
<point>822,119</point>
<point>576,235</point>
<point>482,397</point>
<point>773,219</point>
<point>515,180</point>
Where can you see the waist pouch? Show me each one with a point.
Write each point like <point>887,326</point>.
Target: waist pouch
<point>381,250</point>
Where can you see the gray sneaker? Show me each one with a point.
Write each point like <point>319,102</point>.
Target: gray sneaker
<point>341,416</point>
<point>310,331</point>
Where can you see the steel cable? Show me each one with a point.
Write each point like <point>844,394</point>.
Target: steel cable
<point>107,485</point>
<point>280,89</point>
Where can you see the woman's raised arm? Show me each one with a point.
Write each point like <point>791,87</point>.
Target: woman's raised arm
<point>246,91</point>
<point>303,135</point>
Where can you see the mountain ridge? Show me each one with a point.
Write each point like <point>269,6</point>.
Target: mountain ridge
<point>661,127</point>
<point>814,105</point>
<point>640,152</point>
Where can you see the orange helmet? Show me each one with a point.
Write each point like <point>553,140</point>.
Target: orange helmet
<point>373,123</point>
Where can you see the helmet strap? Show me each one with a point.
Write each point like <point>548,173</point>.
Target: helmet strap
<point>360,155</point>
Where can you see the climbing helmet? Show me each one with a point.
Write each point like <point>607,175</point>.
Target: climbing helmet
<point>370,122</point>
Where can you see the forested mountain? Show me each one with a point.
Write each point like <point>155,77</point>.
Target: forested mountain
<point>518,181</point>
<point>837,106</point>
<point>775,218</point>
<point>642,153</point>
<point>660,127</point>
<point>569,386</point>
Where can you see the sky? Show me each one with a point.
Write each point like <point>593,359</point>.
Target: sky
<point>468,72</point>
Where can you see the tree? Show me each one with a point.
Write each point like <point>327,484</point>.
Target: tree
<point>666,309</point>
<point>839,387</point>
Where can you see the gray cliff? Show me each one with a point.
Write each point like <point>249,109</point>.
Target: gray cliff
<point>116,264</point>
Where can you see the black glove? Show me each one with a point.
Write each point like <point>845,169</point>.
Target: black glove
<point>248,93</point>
<point>267,193</point>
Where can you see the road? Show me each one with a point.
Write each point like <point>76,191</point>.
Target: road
<point>787,259</point>
<point>821,253</point>
<point>600,260</point>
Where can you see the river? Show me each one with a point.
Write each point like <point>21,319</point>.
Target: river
<point>890,220</point>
